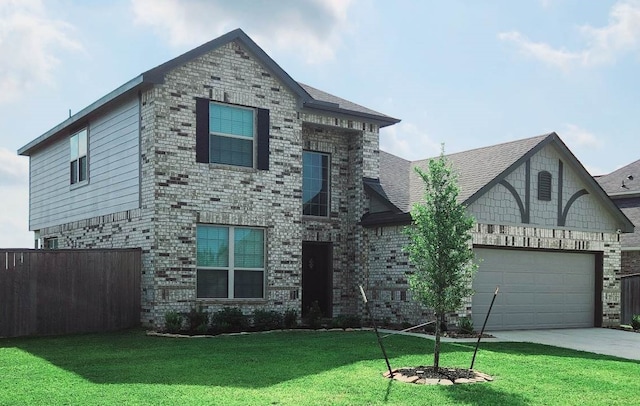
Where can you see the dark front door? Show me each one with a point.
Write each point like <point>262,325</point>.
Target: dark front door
<point>316,276</point>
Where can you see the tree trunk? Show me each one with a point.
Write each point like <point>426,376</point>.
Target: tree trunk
<point>436,348</point>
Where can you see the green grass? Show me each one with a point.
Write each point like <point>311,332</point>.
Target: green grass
<point>296,368</point>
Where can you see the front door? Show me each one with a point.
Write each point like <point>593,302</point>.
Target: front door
<point>316,276</point>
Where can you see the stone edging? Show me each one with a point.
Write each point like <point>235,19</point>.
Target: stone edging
<point>478,378</point>
<point>171,335</point>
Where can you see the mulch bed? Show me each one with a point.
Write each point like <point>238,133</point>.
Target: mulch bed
<point>428,375</point>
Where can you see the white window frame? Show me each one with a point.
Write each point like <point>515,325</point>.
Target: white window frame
<point>231,268</point>
<point>76,155</point>
<point>254,138</point>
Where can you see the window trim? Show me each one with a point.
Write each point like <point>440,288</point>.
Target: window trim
<point>75,160</point>
<point>231,268</point>
<point>254,137</point>
<point>328,155</point>
<point>545,179</point>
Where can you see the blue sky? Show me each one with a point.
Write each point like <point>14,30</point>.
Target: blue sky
<point>463,73</point>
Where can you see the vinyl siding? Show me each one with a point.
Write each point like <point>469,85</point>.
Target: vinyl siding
<point>113,168</point>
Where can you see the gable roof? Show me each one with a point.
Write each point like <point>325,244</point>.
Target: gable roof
<point>318,101</point>
<point>623,186</point>
<point>623,181</point>
<point>479,170</point>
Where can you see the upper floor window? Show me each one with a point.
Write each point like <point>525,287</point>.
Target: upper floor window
<point>230,261</point>
<point>232,135</point>
<point>544,186</point>
<point>315,184</point>
<point>78,157</point>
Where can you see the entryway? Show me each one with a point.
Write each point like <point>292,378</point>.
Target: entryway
<point>316,276</point>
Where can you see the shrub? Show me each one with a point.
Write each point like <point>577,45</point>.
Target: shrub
<point>635,322</point>
<point>267,320</point>
<point>465,325</point>
<point>173,321</point>
<point>229,320</point>
<point>314,315</point>
<point>197,320</point>
<point>290,318</point>
<point>346,321</point>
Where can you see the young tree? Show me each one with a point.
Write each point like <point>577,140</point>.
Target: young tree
<point>439,245</point>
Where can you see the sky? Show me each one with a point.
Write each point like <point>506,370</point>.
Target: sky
<point>463,74</point>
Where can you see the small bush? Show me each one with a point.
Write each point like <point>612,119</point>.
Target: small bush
<point>173,321</point>
<point>346,321</point>
<point>465,325</point>
<point>290,318</point>
<point>229,320</point>
<point>197,321</point>
<point>314,315</point>
<point>635,322</point>
<point>267,320</point>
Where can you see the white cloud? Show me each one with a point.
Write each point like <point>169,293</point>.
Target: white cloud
<point>14,205</point>
<point>14,168</point>
<point>14,217</point>
<point>538,50</point>
<point>313,28</point>
<point>29,42</point>
<point>603,45</point>
<point>578,137</point>
<point>408,141</point>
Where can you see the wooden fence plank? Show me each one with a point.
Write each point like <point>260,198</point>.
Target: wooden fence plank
<point>629,297</point>
<point>68,291</point>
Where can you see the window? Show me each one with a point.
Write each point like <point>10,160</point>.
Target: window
<point>230,262</point>
<point>78,160</point>
<point>544,186</point>
<point>315,184</point>
<point>50,243</point>
<point>232,135</point>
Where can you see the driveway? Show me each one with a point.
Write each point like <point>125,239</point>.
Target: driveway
<point>623,344</point>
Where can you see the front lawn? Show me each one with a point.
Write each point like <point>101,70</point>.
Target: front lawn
<point>296,368</point>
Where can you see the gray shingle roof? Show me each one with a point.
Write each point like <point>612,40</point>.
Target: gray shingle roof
<point>318,101</point>
<point>475,168</point>
<point>480,169</point>
<point>342,104</point>
<point>394,179</point>
<point>631,208</point>
<point>623,185</point>
<point>622,181</point>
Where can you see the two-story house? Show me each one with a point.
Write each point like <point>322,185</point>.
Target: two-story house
<point>229,174</point>
<point>246,188</point>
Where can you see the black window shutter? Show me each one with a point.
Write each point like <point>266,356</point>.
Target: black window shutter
<point>202,130</point>
<point>263,139</point>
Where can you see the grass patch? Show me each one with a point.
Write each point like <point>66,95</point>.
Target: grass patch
<point>294,368</point>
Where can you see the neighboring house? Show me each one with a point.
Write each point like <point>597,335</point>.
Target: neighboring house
<point>546,233</point>
<point>246,188</point>
<point>242,186</point>
<point>623,186</point>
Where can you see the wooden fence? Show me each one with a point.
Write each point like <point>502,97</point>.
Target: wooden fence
<point>54,292</point>
<point>629,297</point>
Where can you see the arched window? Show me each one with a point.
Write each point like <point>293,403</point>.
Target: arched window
<point>544,186</point>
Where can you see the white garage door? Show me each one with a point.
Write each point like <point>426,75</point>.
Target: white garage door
<point>537,289</point>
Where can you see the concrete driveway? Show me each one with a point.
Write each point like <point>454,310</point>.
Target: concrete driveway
<point>623,344</point>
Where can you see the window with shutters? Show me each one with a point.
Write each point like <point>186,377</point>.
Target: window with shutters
<point>232,135</point>
<point>544,186</point>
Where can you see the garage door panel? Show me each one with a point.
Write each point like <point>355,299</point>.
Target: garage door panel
<point>538,289</point>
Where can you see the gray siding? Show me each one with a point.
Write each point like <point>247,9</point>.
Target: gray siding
<point>114,172</point>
